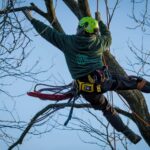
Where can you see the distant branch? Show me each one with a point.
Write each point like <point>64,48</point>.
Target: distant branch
<point>56,107</point>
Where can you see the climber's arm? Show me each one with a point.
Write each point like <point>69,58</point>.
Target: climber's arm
<point>54,37</point>
<point>105,33</point>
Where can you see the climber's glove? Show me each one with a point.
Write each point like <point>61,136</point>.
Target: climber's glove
<point>98,16</point>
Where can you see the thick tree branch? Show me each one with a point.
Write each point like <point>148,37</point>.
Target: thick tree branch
<point>73,5</point>
<point>124,113</point>
<point>51,16</point>
<point>38,10</point>
<point>84,8</point>
<point>55,108</point>
<point>134,98</point>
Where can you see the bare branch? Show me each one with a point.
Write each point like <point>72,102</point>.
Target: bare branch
<point>109,14</point>
<point>54,107</point>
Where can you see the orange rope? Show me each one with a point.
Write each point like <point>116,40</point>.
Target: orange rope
<point>140,118</point>
<point>104,61</point>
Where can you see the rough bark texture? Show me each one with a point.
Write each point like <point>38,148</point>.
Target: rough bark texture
<point>134,98</point>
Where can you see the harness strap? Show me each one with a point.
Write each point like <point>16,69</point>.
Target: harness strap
<point>88,87</point>
<point>94,81</point>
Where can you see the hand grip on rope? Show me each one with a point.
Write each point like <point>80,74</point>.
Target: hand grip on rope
<point>98,16</point>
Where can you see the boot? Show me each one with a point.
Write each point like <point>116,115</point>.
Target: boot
<point>146,87</point>
<point>134,138</point>
<point>118,124</point>
<point>143,85</point>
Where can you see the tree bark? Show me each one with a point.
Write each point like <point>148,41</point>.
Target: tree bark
<point>134,98</point>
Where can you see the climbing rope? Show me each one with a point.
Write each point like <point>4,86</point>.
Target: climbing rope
<point>53,93</point>
<point>138,117</point>
<point>57,93</point>
<point>52,22</point>
<point>111,94</point>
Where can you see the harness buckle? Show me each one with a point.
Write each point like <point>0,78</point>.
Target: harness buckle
<point>88,87</point>
<point>98,88</point>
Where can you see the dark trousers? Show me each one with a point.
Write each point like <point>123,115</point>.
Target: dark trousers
<point>114,82</point>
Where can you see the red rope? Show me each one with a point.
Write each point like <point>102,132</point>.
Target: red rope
<point>52,97</point>
<point>97,5</point>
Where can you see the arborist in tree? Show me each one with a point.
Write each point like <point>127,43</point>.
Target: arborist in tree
<point>83,52</point>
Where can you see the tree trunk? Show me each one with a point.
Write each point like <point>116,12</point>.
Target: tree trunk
<point>134,98</point>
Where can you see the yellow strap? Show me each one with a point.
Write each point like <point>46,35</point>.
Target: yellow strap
<point>91,80</point>
<point>88,87</point>
<point>99,88</point>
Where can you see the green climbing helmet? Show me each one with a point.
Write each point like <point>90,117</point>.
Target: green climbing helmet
<point>89,24</point>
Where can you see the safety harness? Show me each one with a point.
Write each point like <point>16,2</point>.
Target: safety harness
<point>58,93</point>
<point>94,84</point>
<point>88,87</point>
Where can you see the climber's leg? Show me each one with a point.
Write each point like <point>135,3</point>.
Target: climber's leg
<point>130,83</point>
<point>99,102</point>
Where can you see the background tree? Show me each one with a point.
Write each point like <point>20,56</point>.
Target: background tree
<point>12,28</point>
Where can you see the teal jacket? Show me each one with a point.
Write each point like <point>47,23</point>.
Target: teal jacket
<point>83,54</point>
